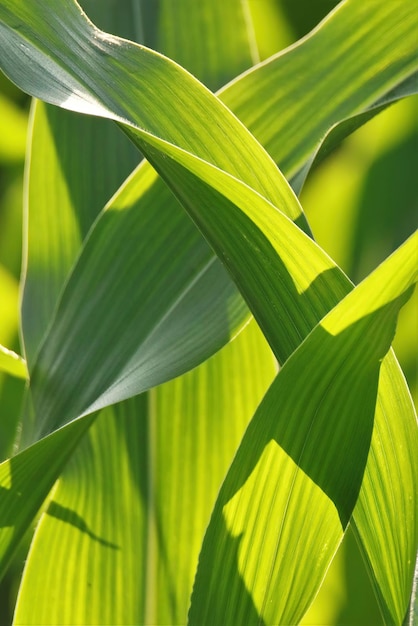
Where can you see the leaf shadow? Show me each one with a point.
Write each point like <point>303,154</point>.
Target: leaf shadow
<point>272,420</point>
<point>231,604</point>
<point>69,516</point>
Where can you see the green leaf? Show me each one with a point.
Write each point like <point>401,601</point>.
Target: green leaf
<point>12,363</point>
<point>137,491</point>
<point>123,374</point>
<point>171,412</point>
<point>292,100</point>
<point>230,238</point>
<point>78,181</point>
<point>343,285</point>
<point>289,494</point>
<point>89,158</point>
<point>21,496</point>
<point>202,40</point>
<point>138,387</point>
<point>61,72</point>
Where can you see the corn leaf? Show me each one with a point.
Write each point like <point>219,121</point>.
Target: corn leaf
<point>290,491</point>
<point>155,422</point>
<point>125,507</point>
<point>61,150</point>
<point>12,363</point>
<point>128,379</point>
<point>245,96</point>
<point>292,116</point>
<point>21,495</point>
<point>58,176</point>
<point>121,367</point>
<point>230,238</point>
<point>153,148</point>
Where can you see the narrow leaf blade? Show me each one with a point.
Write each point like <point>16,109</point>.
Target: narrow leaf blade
<point>12,363</point>
<point>290,492</point>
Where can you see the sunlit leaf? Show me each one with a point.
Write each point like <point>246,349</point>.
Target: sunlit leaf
<point>123,373</point>
<point>126,503</point>
<point>231,193</point>
<point>21,495</point>
<point>171,416</point>
<point>289,494</point>
<point>121,113</point>
<point>12,363</point>
<point>329,83</point>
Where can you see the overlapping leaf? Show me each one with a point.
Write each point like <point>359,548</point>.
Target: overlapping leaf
<point>170,416</point>
<point>233,154</point>
<point>259,90</point>
<point>26,480</point>
<point>119,112</point>
<point>174,174</point>
<point>85,180</point>
<point>300,465</point>
<point>114,360</point>
<point>327,81</point>
<point>136,492</point>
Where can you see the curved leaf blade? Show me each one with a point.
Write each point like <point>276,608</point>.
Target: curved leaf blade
<point>298,471</point>
<point>278,104</point>
<point>101,536</point>
<point>61,151</point>
<point>409,412</point>
<point>56,132</point>
<point>292,122</point>
<point>260,175</point>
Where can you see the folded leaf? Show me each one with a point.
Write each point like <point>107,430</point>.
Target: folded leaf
<point>290,492</point>
<point>156,149</point>
<point>137,491</point>
<point>77,184</point>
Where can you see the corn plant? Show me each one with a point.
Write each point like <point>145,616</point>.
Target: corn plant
<point>210,402</point>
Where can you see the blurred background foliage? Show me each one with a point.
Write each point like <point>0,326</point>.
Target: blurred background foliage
<point>361,203</point>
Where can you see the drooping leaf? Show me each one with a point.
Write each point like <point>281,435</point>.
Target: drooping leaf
<point>88,158</point>
<point>139,489</point>
<point>291,489</point>
<point>114,395</point>
<point>193,412</point>
<point>200,173</point>
<point>121,368</point>
<point>303,93</point>
<point>260,87</point>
